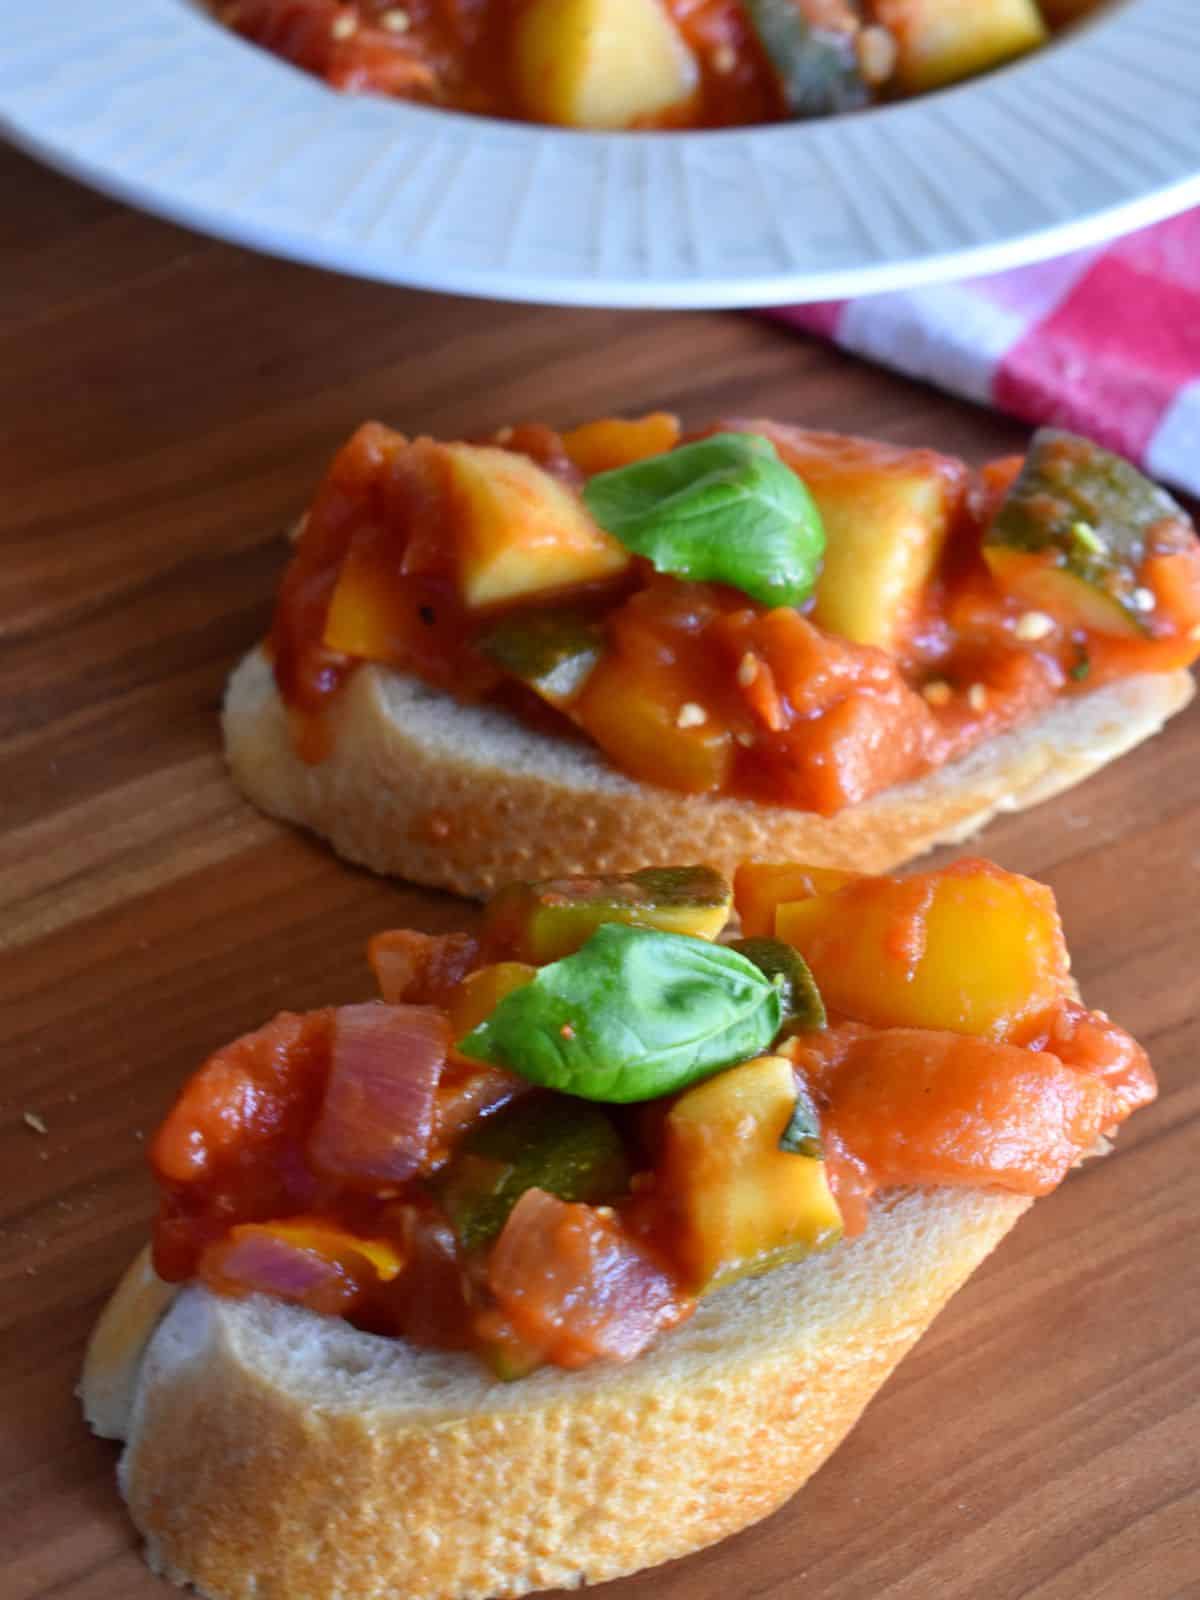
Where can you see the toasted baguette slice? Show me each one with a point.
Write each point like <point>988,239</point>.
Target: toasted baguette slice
<point>277,1454</point>
<point>467,798</point>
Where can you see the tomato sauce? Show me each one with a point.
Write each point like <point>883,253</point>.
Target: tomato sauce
<point>698,688</point>
<point>252,1197</point>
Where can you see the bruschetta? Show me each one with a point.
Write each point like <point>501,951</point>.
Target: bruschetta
<point>587,1243</point>
<point>550,653</point>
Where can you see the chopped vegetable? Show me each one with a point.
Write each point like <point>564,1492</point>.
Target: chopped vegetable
<point>941,41</point>
<point>632,1015</point>
<point>568,1148</point>
<point>599,63</point>
<point>478,995</point>
<point>376,1120</point>
<point>817,67</point>
<point>1073,532</point>
<point>928,1107</point>
<point>576,1286</point>
<point>760,887</point>
<point>520,532</point>
<point>785,967</point>
<point>740,1203</point>
<point>971,948</point>
<point>541,922</point>
<point>887,512</point>
<point>723,510</point>
<point>553,652</point>
<point>420,969</point>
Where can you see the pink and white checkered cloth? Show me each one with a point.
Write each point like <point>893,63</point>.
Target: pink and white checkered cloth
<point>1105,342</point>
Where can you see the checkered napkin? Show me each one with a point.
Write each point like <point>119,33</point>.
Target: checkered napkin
<point>1105,342</point>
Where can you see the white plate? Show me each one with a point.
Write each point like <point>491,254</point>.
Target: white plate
<point>151,101</point>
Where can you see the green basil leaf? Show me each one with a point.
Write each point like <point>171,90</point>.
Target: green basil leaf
<point>723,510</point>
<point>787,969</point>
<point>632,1015</point>
<point>802,1136</point>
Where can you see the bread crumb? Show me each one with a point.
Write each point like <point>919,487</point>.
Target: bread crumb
<point>32,1120</point>
<point>691,715</point>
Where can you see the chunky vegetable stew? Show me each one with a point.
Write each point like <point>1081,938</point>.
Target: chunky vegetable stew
<point>648,63</point>
<point>798,618</point>
<point>545,1143</point>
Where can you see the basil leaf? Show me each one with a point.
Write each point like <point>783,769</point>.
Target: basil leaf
<point>632,1015</point>
<point>802,1136</point>
<point>799,997</point>
<point>723,510</point>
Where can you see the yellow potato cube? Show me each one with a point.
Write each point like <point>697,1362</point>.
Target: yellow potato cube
<point>599,63</point>
<point>518,531</point>
<point>941,41</point>
<point>741,1204</point>
<point>971,949</point>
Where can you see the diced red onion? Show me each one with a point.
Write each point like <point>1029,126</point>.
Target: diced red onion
<point>253,1259</point>
<point>374,1126</point>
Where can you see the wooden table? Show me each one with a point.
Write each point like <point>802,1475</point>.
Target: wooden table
<point>166,405</point>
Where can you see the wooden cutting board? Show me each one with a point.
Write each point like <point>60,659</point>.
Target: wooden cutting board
<point>166,403</point>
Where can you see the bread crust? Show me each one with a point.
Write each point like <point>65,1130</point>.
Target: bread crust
<point>279,1455</point>
<point>466,797</point>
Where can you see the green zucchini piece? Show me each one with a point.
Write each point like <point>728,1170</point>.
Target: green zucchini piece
<point>543,922</point>
<point>802,1136</point>
<point>799,997</point>
<point>553,652</point>
<point>817,67</point>
<point>570,1148</point>
<point>1086,515</point>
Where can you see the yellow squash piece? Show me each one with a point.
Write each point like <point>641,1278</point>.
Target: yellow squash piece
<point>887,512</point>
<point>634,712</point>
<point>741,1204</point>
<point>972,949</point>
<point>761,887</point>
<point>599,63</point>
<point>545,921</point>
<point>480,992</point>
<point>941,41</point>
<point>619,441</point>
<point>519,532</point>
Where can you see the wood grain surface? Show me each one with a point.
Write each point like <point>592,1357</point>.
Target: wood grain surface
<point>166,403</point>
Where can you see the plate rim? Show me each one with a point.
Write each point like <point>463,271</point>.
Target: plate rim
<point>244,225</point>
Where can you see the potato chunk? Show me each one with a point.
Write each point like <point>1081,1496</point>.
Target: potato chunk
<point>518,532</point>
<point>742,1204</point>
<point>599,63</point>
<point>941,41</point>
<point>971,949</point>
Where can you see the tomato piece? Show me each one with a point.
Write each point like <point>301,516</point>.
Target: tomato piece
<point>922,1107</point>
<point>618,441</point>
<point>1092,1043</point>
<point>230,1148</point>
<point>576,1286</point>
<point>420,969</point>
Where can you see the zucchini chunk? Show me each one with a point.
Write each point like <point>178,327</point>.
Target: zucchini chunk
<point>817,66</point>
<point>1071,534</point>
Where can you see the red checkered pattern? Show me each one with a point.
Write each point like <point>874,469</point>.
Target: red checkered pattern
<point>1105,341</point>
